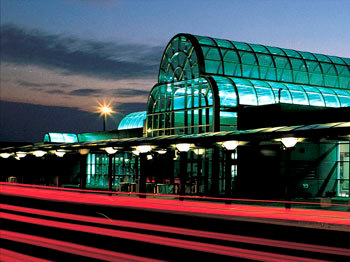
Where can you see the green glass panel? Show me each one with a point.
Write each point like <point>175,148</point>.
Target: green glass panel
<point>342,70</point>
<point>246,92</point>
<point>347,61</point>
<point>275,50</point>
<point>301,77</point>
<point>224,43</point>
<point>322,58</point>
<point>298,94</point>
<point>268,73</point>
<point>331,100</point>
<point>251,71</point>
<point>316,79</point>
<point>212,53</point>
<point>284,75</point>
<point>247,58</point>
<point>329,69</point>
<point>230,56</point>
<point>213,67</point>
<point>331,81</point>
<point>205,40</point>
<point>232,69</point>
<point>292,53</point>
<point>307,55</point>
<point>298,64</point>
<point>259,48</point>
<point>265,60</point>
<point>281,62</point>
<point>337,60</point>
<point>241,46</point>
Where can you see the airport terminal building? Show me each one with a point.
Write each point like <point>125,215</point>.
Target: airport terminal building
<point>226,118</point>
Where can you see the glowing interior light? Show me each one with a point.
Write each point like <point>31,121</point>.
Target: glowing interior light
<point>84,151</point>
<point>111,150</point>
<point>289,141</point>
<point>143,148</point>
<point>60,153</point>
<point>21,154</point>
<point>39,153</point>
<point>183,147</point>
<point>230,145</point>
<point>5,155</point>
<point>161,151</point>
<point>149,157</point>
<point>199,151</point>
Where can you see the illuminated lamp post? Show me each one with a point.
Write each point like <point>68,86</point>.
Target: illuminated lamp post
<point>288,144</point>
<point>230,147</point>
<point>142,151</point>
<point>105,110</point>
<point>183,148</point>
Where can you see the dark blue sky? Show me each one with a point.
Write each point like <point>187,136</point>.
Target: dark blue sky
<point>63,57</point>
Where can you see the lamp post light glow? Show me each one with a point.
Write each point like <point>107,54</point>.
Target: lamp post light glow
<point>111,150</point>
<point>183,147</point>
<point>21,154</point>
<point>105,110</point>
<point>230,145</point>
<point>143,148</point>
<point>39,153</point>
<point>84,151</point>
<point>289,142</point>
<point>60,153</point>
<point>5,155</point>
<point>161,151</point>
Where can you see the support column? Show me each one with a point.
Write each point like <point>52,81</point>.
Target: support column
<point>183,172</point>
<point>83,171</point>
<point>110,172</point>
<point>228,173</point>
<point>143,173</point>
<point>215,172</point>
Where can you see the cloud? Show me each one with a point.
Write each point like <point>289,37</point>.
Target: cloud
<point>128,92</point>
<point>126,108</point>
<point>86,92</point>
<point>75,56</point>
<point>39,85</point>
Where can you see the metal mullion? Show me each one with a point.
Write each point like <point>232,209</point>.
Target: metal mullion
<point>273,60</point>
<point>319,64</point>
<point>307,68</point>
<point>256,58</point>
<point>221,57</point>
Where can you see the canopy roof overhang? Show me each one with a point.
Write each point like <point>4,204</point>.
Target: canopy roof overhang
<point>339,131</point>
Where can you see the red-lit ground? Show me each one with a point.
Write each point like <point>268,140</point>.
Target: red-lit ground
<point>29,229</point>
<point>312,217</point>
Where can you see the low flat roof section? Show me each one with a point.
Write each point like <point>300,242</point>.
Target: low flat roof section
<point>339,131</point>
<point>251,117</point>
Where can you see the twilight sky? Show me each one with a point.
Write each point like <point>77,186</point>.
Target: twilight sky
<point>60,58</point>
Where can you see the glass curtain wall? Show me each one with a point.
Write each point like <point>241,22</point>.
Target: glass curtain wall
<point>184,107</point>
<point>238,59</point>
<point>344,169</point>
<point>123,171</point>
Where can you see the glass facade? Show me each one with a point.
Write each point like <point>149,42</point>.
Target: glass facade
<point>189,56</point>
<point>123,170</point>
<point>132,120</point>
<point>61,138</point>
<point>184,107</point>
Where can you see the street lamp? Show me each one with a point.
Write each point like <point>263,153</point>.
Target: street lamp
<point>105,110</point>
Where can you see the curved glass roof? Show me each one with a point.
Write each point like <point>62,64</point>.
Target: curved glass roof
<point>132,120</point>
<point>188,56</point>
<point>61,138</point>
<point>237,91</point>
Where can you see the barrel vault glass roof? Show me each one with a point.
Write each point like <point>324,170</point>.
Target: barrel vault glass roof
<point>132,120</point>
<point>189,56</point>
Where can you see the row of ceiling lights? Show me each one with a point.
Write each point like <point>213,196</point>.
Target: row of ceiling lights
<point>288,142</point>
